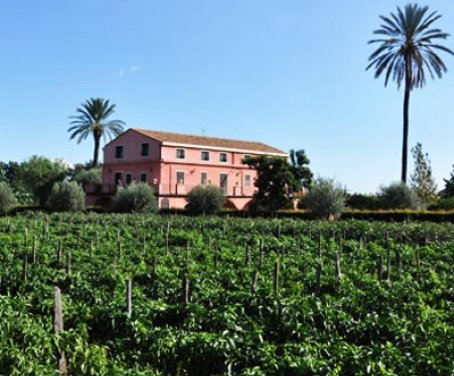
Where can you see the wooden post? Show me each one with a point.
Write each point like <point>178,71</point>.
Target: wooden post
<point>255,280</point>
<point>155,264</point>
<point>68,262</point>
<point>24,266</point>
<point>185,285</point>
<point>119,249</point>
<point>58,328</point>
<point>262,253</point>
<point>338,268</point>
<point>34,250</point>
<point>129,298</point>
<point>318,279</point>
<point>379,267</point>
<point>248,255</point>
<point>319,244</point>
<point>276,277</point>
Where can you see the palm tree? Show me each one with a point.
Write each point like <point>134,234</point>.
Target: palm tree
<point>92,120</point>
<point>408,48</point>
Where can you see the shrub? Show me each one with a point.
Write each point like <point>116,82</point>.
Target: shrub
<point>66,196</point>
<point>362,201</point>
<point>7,198</point>
<point>205,200</point>
<point>91,176</point>
<point>135,198</point>
<point>398,196</point>
<point>326,199</point>
<point>445,203</point>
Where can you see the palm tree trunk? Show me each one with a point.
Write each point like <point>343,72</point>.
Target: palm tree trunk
<point>96,151</point>
<point>408,85</point>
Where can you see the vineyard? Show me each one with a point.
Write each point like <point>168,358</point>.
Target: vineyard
<point>168,295</point>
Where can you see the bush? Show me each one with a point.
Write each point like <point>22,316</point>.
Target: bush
<point>205,200</point>
<point>135,198</point>
<point>7,199</point>
<point>91,176</point>
<point>445,203</point>
<point>326,199</point>
<point>398,196</point>
<point>362,201</point>
<point>66,196</point>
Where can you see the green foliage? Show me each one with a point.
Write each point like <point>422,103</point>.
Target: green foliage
<point>449,185</point>
<point>66,196</point>
<point>7,199</point>
<point>362,201</point>
<point>11,174</point>
<point>275,183</point>
<point>91,120</point>
<point>422,181</point>
<point>135,198</point>
<point>398,195</point>
<point>39,175</point>
<point>206,199</point>
<point>326,198</point>
<point>90,176</point>
<point>299,166</point>
<point>397,323</point>
<point>445,203</point>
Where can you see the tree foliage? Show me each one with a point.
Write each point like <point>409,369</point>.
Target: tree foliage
<point>66,196</point>
<point>326,198</point>
<point>299,165</point>
<point>91,120</point>
<point>449,185</point>
<point>408,49</point>
<point>206,199</point>
<point>275,183</point>
<point>398,195</point>
<point>135,198</point>
<point>39,175</point>
<point>7,199</point>
<point>421,180</point>
<point>89,176</point>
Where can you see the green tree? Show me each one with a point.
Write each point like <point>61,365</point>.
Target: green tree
<point>449,185</point>
<point>39,174</point>
<point>408,47</point>
<point>135,198</point>
<point>299,166</point>
<point>92,120</point>
<point>326,198</point>
<point>421,180</point>
<point>275,183</point>
<point>398,195</point>
<point>66,196</point>
<point>7,199</point>
<point>205,199</point>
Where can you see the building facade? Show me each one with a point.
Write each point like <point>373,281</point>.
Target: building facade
<point>174,163</point>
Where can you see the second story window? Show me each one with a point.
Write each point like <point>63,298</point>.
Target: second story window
<point>222,157</point>
<point>145,150</point>
<point>205,155</point>
<point>180,177</point>
<point>118,151</point>
<point>181,154</point>
<point>247,181</point>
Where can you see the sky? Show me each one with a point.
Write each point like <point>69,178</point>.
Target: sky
<point>289,73</point>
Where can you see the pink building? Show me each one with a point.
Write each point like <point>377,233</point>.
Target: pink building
<point>174,163</point>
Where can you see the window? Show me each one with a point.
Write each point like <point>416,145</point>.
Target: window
<point>128,178</point>
<point>143,177</point>
<point>203,178</point>
<point>222,157</point>
<point>180,177</point>
<point>181,154</point>
<point>118,178</point>
<point>223,183</point>
<point>118,151</point>
<point>247,181</point>
<point>145,150</point>
<point>205,155</point>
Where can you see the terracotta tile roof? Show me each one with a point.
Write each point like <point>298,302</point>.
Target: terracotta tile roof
<point>224,143</point>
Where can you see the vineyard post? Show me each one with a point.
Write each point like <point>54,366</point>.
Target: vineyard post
<point>262,253</point>
<point>34,250</point>
<point>338,268</point>
<point>248,255</point>
<point>319,249</point>
<point>276,277</point>
<point>59,250</point>
<point>188,243</point>
<point>318,279</point>
<point>167,237</point>
<point>58,328</point>
<point>129,298</point>
<point>185,285</point>
<point>379,267</point>
<point>255,280</point>
<point>68,263</point>
<point>388,264</point>
<point>155,264</point>
<point>24,266</point>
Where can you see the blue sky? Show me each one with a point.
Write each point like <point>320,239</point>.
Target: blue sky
<point>287,73</point>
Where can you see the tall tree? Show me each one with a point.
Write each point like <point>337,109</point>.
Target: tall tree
<point>422,180</point>
<point>299,165</point>
<point>92,120</point>
<point>449,185</point>
<point>408,47</point>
